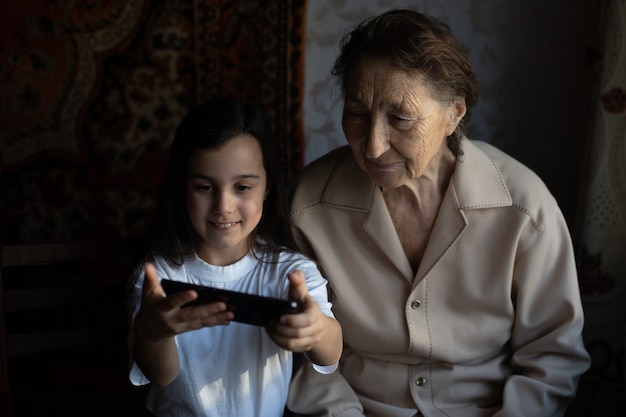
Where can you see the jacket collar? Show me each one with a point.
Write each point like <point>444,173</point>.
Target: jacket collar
<point>477,182</point>
<point>357,196</point>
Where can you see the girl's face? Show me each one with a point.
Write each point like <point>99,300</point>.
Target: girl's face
<point>226,188</point>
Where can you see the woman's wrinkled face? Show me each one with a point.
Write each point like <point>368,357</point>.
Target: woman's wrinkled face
<point>393,123</point>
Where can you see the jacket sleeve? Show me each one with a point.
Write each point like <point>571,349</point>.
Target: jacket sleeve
<point>322,395</point>
<point>548,355</point>
<point>312,393</point>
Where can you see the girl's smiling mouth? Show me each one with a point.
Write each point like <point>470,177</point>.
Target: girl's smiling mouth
<point>224,226</point>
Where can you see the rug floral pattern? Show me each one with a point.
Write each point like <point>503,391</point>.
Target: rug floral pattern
<point>91,93</point>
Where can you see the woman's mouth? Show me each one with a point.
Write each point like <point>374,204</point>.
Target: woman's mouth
<point>380,166</point>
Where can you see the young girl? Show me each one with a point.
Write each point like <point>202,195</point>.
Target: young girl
<point>223,223</point>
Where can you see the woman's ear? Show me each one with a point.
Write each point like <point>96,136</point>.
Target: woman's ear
<point>456,111</point>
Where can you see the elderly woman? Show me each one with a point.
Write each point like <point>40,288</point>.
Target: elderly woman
<point>450,264</point>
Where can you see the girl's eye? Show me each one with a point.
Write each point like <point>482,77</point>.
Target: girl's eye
<point>203,187</point>
<point>243,188</point>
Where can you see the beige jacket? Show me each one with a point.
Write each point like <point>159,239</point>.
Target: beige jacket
<point>490,325</point>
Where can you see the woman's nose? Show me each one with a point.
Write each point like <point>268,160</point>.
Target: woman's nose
<point>376,140</point>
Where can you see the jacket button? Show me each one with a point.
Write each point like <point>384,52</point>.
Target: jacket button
<point>419,381</point>
<point>415,304</point>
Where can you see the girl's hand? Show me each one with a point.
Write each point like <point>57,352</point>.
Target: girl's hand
<point>310,331</point>
<point>159,319</point>
<point>162,317</point>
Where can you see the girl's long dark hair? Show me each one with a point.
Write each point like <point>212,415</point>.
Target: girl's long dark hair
<point>209,126</point>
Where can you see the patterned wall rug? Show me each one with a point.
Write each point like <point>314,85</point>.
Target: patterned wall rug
<point>91,93</point>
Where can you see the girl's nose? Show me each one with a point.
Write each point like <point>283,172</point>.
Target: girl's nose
<point>223,202</point>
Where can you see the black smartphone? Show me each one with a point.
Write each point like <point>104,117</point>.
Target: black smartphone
<point>248,308</point>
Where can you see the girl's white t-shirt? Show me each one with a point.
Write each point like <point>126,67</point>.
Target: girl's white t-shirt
<point>234,370</point>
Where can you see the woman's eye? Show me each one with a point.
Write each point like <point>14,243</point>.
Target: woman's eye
<point>243,188</point>
<point>402,121</point>
<point>354,112</point>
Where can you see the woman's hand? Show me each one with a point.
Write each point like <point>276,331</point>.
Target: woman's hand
<point>310,331</point>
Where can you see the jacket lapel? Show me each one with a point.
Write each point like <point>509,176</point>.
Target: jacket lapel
<point>363,196</point>
<point>380,228</point>
<point>476,184</point>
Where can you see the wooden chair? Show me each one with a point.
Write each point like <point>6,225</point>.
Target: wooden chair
<point>63,329</point>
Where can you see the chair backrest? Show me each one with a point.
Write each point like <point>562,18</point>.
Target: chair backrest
<point>55,297</point>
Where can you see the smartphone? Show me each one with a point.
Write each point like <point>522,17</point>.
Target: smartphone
<point>248,308</point>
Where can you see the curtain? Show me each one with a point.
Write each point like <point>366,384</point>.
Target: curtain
<point>92,93</point>
<point>602,227</point>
